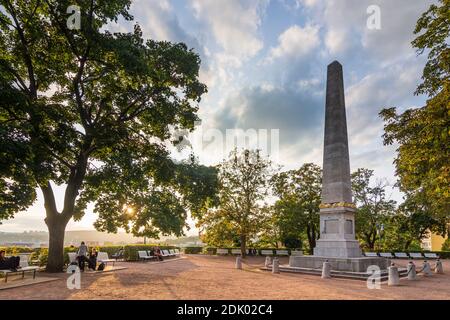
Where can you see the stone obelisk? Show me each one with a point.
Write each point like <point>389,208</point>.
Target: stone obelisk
<point>337,244</point>
<point>337,222</point>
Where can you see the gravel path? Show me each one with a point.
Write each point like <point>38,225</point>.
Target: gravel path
<point>211,277</point>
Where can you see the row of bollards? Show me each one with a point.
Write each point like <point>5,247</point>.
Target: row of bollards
<point>394,277</point>
<point>393,274</point>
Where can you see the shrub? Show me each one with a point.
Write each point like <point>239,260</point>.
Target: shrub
<point>193,250</point>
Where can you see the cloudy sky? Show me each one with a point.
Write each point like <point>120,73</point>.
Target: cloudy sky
<point>264,62</point>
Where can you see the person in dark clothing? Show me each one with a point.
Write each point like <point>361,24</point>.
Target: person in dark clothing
<point>92,261</point>
<point>11,263</point>
<point>158,254</point>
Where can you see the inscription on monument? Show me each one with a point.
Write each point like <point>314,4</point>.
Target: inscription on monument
<point>348,227</point>
<point>332,226</point>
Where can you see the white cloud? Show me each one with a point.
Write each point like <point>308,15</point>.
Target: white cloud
<point>234,24</point>
<point>336,41</point>
<point>296,42</point>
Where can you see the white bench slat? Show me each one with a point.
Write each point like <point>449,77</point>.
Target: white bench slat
<point>386,255</point>
<point>267,252</point>
<point>222,251</point>
<point>296,253</point>
<point>401,255</point>
<point>282,252</point>
<point>431,255</point>
<point>371,254</point>
<point>415,255</point>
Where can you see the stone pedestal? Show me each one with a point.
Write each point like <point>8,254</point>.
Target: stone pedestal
<point>337,234</point>
<point>338,264</point>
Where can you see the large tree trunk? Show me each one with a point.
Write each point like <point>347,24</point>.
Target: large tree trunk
<point>56,230</point>
<point>311,233</point>
<point>243,245</point>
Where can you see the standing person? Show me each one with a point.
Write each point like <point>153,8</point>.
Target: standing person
<point>11,263</point>
<point>92,262</point>
<point>82,255</point>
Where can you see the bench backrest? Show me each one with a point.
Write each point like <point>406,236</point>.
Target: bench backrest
<point>282,253</point>
<point>400,255</point>
<point>371,254</point>
<point>72,256</point>
<point>102,256</point>
<point>267,252</point>
<point>415,255</point>
<point>222,251</point>
<point>235,251</point>
<point>165,252</point>
<point>431,255</point>
<point>296,253</point>
<point>177,251</point>
<point>142,254</point>
<point>23,260</point>
<point>386,254</point>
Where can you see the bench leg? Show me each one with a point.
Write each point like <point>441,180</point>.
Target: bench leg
<point>23,275</point>
<point>6,277</point>
<point>34,274</point>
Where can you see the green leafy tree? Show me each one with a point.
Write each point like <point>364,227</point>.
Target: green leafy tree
<point>422,134</point>
<point>446,245</point>
<point>243,185</point>
<point>373,208</point>
<point>297,210</point>
<point>92,111</point>
<point>412,223</point>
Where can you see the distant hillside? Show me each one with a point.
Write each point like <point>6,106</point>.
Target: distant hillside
<point>92,236</point>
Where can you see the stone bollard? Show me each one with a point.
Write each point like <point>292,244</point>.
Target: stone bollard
<point>268,262</point>
<point>412,275</point>
<point>326,270</point>
<point>426,269</point>
<point>438,268</point>
<point>238,262</point>
<point>275,266</point>
<point>393,276</point>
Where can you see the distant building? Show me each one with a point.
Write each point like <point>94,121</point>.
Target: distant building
<point>433,242</point>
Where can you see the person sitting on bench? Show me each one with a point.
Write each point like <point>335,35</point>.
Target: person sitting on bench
<point>92,262</point>
<point>11,263</point>
<point>82,255</point>
<point>158,254</point>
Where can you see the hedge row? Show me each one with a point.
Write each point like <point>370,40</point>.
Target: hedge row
<point>40,255</point>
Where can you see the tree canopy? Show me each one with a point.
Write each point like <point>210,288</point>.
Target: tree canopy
<point>243,186</point>
<point>422,134</point>
<point>93,110</point>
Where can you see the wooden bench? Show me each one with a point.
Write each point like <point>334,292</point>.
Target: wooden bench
<point>282,253</point>
<point>431,255</point>
<point>222,251</point>
<point>144,256</point>
<point>416,255</point>
<point>167,253</point>
<point>267,252</point>
<point>401,255</point>
<point>20,271</point>
<point>102,257</point>
<point>371,254</point>
<point>24,267</point>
